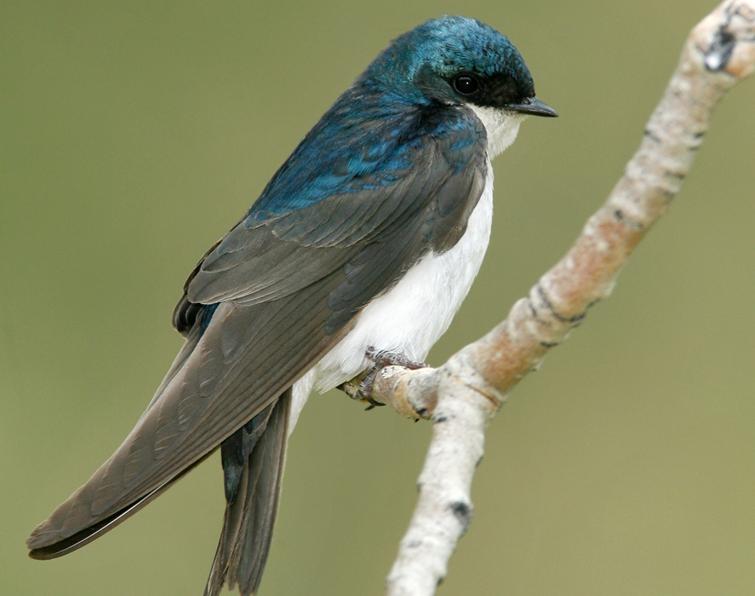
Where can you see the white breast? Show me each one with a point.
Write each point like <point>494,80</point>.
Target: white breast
<point>413,315</point>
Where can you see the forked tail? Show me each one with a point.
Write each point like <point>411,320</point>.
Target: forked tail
<point>253,460</point>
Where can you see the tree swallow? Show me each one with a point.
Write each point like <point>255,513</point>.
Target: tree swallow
<point>367,238</point>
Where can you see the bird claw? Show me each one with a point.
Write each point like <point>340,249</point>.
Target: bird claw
<point>361,387</point>
<point>383,358</point>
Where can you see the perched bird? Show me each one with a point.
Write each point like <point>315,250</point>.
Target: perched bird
<point>365,241</point>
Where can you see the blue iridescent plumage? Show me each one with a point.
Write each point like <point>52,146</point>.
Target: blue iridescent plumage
<point>446,45</point>
<point>364,142</point>
<point>366,139</point>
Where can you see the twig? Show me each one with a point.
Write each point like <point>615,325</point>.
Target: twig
<point>462,394</point>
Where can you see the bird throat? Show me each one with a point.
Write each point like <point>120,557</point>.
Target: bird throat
<point>501,127</point>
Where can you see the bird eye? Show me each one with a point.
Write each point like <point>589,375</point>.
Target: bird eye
<point>466,84</point>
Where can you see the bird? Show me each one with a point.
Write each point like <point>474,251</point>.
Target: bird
<point>357,253</point>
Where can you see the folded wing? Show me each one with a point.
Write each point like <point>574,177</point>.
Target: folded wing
<point>280,290</point>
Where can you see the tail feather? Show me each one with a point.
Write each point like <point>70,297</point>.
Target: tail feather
<point>253,465</point>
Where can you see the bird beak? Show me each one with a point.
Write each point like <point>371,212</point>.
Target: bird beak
<point>534,107</point>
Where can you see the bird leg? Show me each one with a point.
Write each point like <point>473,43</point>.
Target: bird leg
<point>360,387</point>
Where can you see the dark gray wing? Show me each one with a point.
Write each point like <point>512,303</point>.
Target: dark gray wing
<point>263,261</point>
<point>289,288</point>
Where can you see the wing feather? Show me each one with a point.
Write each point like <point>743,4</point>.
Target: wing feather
<point>289,287</point>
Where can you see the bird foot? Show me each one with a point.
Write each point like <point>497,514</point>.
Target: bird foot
<point>360,388</point>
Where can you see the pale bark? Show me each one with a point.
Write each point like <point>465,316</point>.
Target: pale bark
<point>462,394</point>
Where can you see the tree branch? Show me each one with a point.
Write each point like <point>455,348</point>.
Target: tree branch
<point>462,394</point>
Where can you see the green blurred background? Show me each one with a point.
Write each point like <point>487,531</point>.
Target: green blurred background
<point>133,134</point>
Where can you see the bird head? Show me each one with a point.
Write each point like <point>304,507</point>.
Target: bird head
<point>457,60</point>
